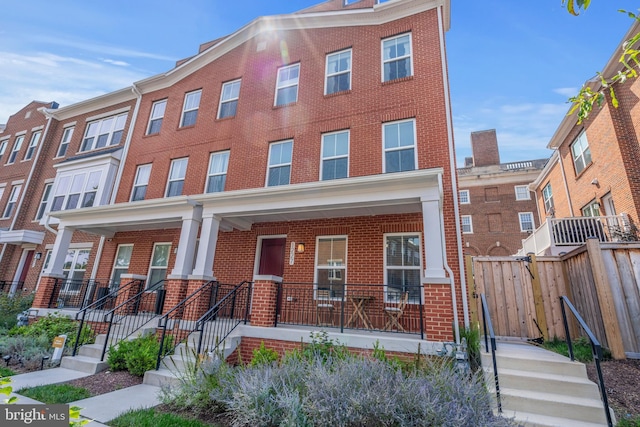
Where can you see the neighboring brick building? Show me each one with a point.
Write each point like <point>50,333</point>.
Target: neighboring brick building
<point>496,207</point>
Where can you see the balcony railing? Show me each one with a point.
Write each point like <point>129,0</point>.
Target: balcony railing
<point>557,235</point>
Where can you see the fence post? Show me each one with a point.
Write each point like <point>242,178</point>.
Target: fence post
<point>536,287</point>
<point>471,290</point>
<point>605,299</point>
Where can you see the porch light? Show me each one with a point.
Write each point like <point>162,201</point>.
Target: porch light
<point>300,248</point>
<point>38,255</point>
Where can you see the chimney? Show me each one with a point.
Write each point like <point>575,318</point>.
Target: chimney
<point>468,162</point>
<point>484,146</point>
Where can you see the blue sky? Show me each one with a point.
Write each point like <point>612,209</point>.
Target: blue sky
<point>512,64</point>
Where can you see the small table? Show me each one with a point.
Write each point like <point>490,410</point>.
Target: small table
<point>359,305</point>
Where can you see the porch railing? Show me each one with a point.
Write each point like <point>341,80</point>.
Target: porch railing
<point>352,306</point>
<point>71,293</point>
<point>7,285</point>
<point>489,335</point>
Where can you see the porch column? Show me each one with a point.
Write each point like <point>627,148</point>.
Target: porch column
<point>187,244</point>
<point>264,300</point>
<point>59,252</point>
<point>433,238</point>
<point>207,248</point>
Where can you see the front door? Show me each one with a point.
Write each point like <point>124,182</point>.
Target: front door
<point>272,257</point>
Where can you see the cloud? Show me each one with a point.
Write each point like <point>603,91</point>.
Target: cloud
<point>567,92</point>
<point>115,62</point>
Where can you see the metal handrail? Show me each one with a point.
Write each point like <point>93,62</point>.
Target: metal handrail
<point>596,350</point>
<point>486,322</point>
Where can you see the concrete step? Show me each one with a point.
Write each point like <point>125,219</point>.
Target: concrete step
<point>83,364</point>
<point>537,420</point>
<point>536,361</point>
<point>91,350</point>
<point>161,377</point>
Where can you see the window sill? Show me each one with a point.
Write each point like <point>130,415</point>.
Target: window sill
<point>582,172</point>
<point>401,79</point>
<point>225,118</point>
<point>276,107</point>
<point>150,135</point>
<point>179,128</point>
<point>342,92</point>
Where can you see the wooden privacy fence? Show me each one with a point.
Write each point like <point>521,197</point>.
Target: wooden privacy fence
<point>523,293</point>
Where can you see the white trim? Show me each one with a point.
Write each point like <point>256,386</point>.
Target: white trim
<point>209,174</point>
<point>470,224</point>
<point>237,99</point>
<point>526,190</point>
<point>397,58</point>
<point>152,118</point>
<point>322,158</point>
<point>533,222</point>
<point>169,180</point>
<point>135,180</point>
<point>279,165</point>
<point>107,114</point>
<point>153,251</point>
<point>326,69</point>
<point>287,85</point>
<point>115,259</point>
<point>400,147</point>
<point>80,245</point>
<point>468,199</point>
<point>184,106</point>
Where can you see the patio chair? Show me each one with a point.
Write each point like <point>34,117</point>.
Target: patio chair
<point>324,310</point>
<point>394,313</point>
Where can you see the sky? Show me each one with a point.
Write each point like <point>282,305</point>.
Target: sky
<point>512,64</point>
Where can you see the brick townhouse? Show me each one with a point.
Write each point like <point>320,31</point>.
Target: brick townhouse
<point>313,149</point>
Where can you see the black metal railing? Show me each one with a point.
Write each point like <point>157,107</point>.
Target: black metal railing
<point>74,294</point>
<point>105,300</point>
<point>352,306</point>
<point>133,314</point>
<point>7,285</point>
<point>596,350</point>
<point>488,327</point>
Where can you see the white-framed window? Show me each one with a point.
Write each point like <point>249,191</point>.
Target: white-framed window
<point>3,147</point>
<point>396,57</point>
<point>464,197</point>
<point>592,209</point>
<point>44,202</point>
<point>76,190</point>
<point>159,263</point>
<point>104,132</point>
<point>526,221</point>
<point>33,143</point>
<point>13,200</point>
<point>467,224</point>
<point>73,269</point>
<point>229,99</point>
<point>522,192</point>
<point>64,142</point>
<point>287,85</point>
<point>581,153</point>
<point>157,114</point>
<point>190,108</point>
<point>177,174</point>
<point>348,2</point>
<point>141,182</point>
<point>2,187</point>
<point>338,72</point>
<point>16,147</point>
<point>402,267</point>
<point>279,170</point>
<point>331,264</point>
<point>217,174</point>
<point>121,263</point>
<point>547,197</point>
<point>399,143</point>
<point>335,155</point>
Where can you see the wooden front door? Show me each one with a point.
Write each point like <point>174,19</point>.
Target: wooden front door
<point>272,257</point>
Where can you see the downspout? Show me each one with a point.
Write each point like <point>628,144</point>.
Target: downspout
<point>452,282</point>
<point>566,186</point>
<point>454,188</point>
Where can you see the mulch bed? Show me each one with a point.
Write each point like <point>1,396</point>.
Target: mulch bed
<point>622,381</point>
<point>106,381</point>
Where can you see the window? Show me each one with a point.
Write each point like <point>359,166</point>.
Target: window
<point>73,269</point>
<point>287,85</point>
<point>190,108</point>
<point>592,209</point>
<point>399,146</point>
<point>16,147</point>
<point>402,263</point>
<point>335,155</point>
<point>176,177</point>
<point>33,143</point>
<point>121,264</point>
<point>157,114</point>
<point>467,224</point>
<point>464,197</point>
<point>105,132</point>
<point>159,263</point>
<point>3,147</point>
<point>348,2</point>
<point>547,196</point>
<point>44,202</point>
<point>217,176</point>
<point>279,171</point>
<point>229,99</point>
<point>13,199</point>
<point>76,190</point>
<point>396,57</point>
<point>526,221</point>
<point>1,191</point>
<point>522,192</point>
<point>581,153</point>
<point>64,143</point>
<point>331,264</point>
<point>338,72</point>
<point>141,182</point>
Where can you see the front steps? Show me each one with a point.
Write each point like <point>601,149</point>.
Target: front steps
<point>540,388</point>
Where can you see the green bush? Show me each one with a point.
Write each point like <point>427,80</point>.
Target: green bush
<point>31,350</point>
<point>53,325</point>
<point>10,307</point>
<point>263,356</point>
<point>136,356</point>
<point>472,336</point>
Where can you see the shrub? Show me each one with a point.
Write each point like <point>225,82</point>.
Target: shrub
<point>472,336</point>
<point>53,325</point>
<point>136,356</point>
<point>263,356</point>
<point>10,307</point>
<point>27,350</point>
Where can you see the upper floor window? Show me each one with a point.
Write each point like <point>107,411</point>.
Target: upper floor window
<point>229,99</point>
<point>104,132</point>
<point>592,209</point>
<point>338,72</point>
<point>581,153</point>
<point>547,196</point>
<point>464,197</point>
<point>467,224</point>
<point>157,114</point>
<point>13,199</point>
<point>522,192</point>
<point>396,57</point>
<point>217,176</point>
<point>44,202</point>
<point>190,108</point>
<point>526,221</point>
<point>16,147</point>
<point>176,177</point>
<point>287,85</point>
<point>279,171</point>
<point>399,146</point>
<point>3,147</point>
<point>33,143</point>
<point>348,2</point>
<point>335,155</point>
<point>76,190</point>
<point>64,142</point>
<point>141,182</point>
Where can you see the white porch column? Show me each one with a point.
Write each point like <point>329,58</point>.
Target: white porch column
<point>207,248</point>
<point>59,252</point>
<point>433,247</point>
<point>187,244</point>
